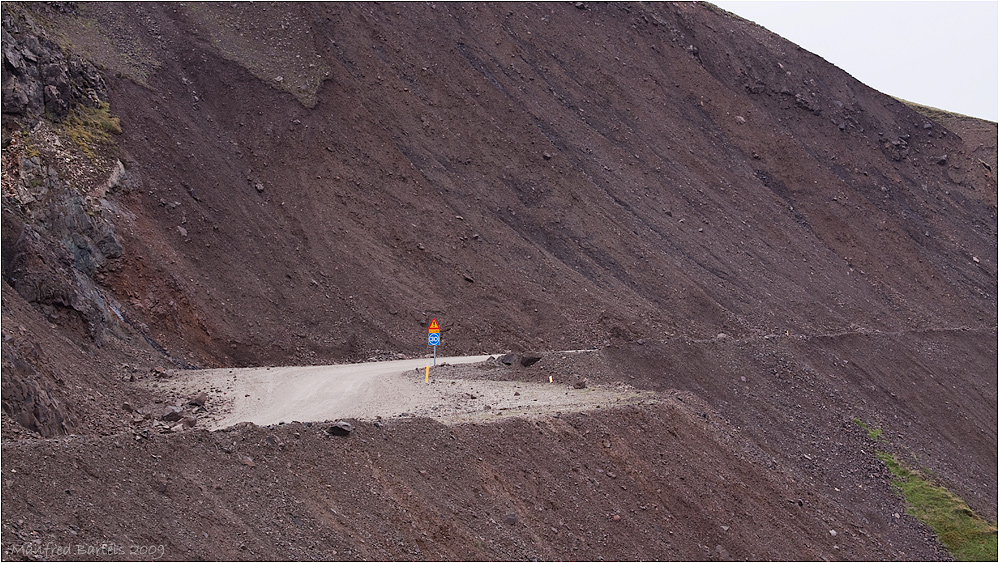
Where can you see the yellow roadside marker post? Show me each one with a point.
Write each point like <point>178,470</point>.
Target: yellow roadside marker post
<point>426,378</point>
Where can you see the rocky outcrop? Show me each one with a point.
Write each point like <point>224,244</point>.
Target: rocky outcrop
<point>58,235</point>
<point>29,397</point>
<point>56,241</point>
<point>39,78</point>
<point>57,232</point>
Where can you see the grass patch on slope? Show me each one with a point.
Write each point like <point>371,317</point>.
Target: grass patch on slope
<point>967,536</point>
<point>89,126</point>
<point>872,433</point>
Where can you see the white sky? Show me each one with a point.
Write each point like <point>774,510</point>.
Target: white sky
<point>943,54</point>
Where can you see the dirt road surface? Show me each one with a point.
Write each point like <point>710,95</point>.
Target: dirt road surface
<point>369,391</point>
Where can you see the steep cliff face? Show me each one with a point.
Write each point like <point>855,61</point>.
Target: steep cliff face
<point>59,163</point>
<point>720,211</point>
<point>50,218</point>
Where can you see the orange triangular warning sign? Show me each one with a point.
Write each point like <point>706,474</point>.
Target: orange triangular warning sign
<point>434,327</point>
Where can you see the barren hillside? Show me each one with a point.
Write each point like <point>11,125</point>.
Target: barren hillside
<point>732,222</point>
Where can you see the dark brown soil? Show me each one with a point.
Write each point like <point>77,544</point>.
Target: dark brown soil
<point>731,221</point>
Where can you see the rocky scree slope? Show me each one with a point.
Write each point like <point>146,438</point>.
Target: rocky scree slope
<point>719,210</point>
<point>536,177</point>
<point>617,486</point>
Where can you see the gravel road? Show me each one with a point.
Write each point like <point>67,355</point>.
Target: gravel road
<point>368,391</point>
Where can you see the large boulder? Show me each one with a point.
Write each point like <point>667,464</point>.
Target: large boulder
<point>508,359</point>
<point>172,414</point>
<point>528,359</point>
<point>340,428</point>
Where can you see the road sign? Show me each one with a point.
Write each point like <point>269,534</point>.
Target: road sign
<point>434,339</point>
<point>434,327</point>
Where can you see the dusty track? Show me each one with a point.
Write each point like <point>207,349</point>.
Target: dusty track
<point>371,391</point>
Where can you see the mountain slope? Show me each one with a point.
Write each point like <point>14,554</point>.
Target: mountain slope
<point>723,214</point>
<point>650,207</point>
